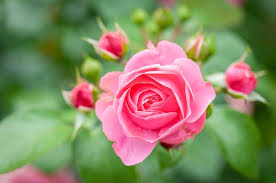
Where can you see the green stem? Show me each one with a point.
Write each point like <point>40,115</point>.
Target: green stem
<point>176,32</point>
<point>80,118</point>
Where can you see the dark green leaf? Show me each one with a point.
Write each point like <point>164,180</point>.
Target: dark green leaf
<point>96,161</point>
<point>57,158</point>
<point>238,137</point>
<point>27,135</point>
<point>202,159</point>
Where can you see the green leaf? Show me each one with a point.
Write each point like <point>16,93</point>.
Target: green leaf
<point>29,134</point>
<point>57,158</point>
<point>152,169</point>
<point>96,161</point>
<point>238,137</point>
<point>168,158</point>
<point>202,160</point>
<point>215,12</point>
<point>254,96</point>
<point>217,79</point>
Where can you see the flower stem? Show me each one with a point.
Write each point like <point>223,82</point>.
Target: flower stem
<point>144,35</point>
<point>80,118</point>
<point>176,32</point>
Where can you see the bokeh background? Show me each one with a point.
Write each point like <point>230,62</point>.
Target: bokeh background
<point>40,47</point>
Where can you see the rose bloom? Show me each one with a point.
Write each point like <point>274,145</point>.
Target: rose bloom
<point>240,78</point>
<point>160,96</point>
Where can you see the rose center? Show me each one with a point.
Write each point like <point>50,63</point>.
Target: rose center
<point>151,100</point>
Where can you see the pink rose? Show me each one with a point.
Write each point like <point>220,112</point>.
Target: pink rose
<point>160,96</point>
<point>240,78</point>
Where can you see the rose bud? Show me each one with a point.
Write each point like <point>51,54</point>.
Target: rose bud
<point>91,69</point>
<point>240,78</point>
<point>184,13</point>
<point>81,97</point>
<point>111,45</point>
<point>200,47</point>
<point>163,18</point>
<point>139,16</point>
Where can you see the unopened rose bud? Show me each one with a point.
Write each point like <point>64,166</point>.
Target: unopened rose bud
<point>111,45</point>
<point>240,78</point>
<point>200,47</point>
<point>153,27</point>
<point>81,97</point>
<point>139,16</point>
<point>183,13</point>
<point>91,69</point>
<point>163,18</point>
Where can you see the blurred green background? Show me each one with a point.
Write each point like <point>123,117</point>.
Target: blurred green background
<point>40,47</point>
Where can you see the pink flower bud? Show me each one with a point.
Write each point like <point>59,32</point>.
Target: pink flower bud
<point>200,47</point>
<point>113,42</point>
<point>82,96</point>
<point>111,45</point>
<point>240,78</point>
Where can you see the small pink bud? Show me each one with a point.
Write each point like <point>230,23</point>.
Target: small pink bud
<point>111,45</point>
<point>113,42</point>
<point>82,96</point>
<point>240,78</point>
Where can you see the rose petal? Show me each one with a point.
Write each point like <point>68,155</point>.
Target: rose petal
<point>102,103</point>
<point>111,126</point>
<point>132,150</point>
<point>129,127</point>
<point>110,82</point>
<point>203,92</point>
<point>164,54</point>
<point>187,131</point>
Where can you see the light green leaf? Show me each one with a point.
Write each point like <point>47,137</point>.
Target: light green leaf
<point>254,96</point>
<point>238,137</point>
<point>96,161</point>
<point>217,79</point>
<point>57,158</point>
<point>29,134</point>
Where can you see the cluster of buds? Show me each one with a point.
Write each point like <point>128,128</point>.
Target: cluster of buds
<point>200,47</point>
<point>112,45</point>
